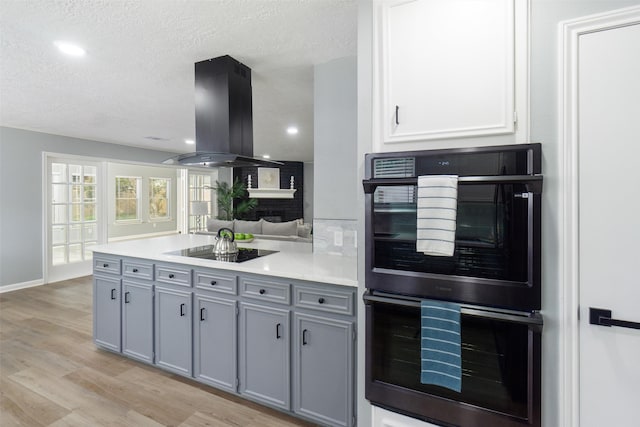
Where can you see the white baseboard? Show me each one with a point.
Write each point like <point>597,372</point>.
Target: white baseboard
<point>23,285</point>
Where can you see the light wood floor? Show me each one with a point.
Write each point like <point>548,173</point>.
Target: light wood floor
<point>51,373</point>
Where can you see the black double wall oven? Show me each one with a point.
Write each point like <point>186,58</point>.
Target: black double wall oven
<point>494,274</point>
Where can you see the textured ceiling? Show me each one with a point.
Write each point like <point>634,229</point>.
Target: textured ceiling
<point>136,80</point>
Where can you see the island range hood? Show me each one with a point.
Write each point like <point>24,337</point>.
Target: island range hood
<point>224,123</point>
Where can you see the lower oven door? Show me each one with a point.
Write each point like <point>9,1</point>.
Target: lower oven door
<point>500,366</point>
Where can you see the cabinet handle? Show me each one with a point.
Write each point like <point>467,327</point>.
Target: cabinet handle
<point>278,331</point>
<point>135,270</point>
<point>171,276</point>
<point>105,265</point>
<point>213,283</point>
<point>127,300</point>
<point>304,337</point>
<point>113,293</point>
<point>397,116</point>
<point>202,314</point>
<point>320,300</point>
<point>182,311</point>
<point>262,291</point>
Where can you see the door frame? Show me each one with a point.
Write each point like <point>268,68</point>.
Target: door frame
<point>568,56</point>
<point>46,212</point>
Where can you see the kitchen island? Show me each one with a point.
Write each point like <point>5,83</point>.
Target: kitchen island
<point>278,329</point>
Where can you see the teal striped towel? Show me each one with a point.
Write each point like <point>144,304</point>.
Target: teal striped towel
<point>440,344</point>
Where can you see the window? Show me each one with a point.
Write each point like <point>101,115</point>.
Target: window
<point>201,190</point>
<point>159,198</point>
<point>127,198</point>
<point>73,219</point>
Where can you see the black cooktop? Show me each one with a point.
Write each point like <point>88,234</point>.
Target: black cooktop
<point>206,252</point>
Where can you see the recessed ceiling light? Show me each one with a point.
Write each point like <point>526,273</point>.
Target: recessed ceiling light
<point>189,141</point>
<point>266,156</point>
<point>292,130</point>
<point>69,48</point>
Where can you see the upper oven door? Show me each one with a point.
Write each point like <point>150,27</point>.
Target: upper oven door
<point>497,243</point>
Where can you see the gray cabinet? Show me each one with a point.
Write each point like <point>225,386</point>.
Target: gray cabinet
<point>264,354</point>
<point>173,328</point>
<point>106,311</point>
<point>137,320</point>
<point>215,343</point>
<point>323,369</point>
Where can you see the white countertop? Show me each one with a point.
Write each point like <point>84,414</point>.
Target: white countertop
<point>294,260</point>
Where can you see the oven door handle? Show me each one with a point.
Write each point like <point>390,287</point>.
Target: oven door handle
<point>533,319</point>
<point>532,182</point>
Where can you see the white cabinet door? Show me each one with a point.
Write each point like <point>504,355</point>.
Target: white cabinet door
<point>446,69</point>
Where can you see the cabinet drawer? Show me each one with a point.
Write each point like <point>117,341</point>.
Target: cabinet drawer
<point>106,264</point>
<point>137,269</point>
<point>212,280</point>
<point>265,291</point>
<point>329,300</point>
<point>173,274</point>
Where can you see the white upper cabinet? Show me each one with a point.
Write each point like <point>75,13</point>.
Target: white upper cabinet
<point>446,69</point>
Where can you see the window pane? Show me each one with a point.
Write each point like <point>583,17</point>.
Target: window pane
<point>158,198</point>
<point>60,214</point>
<point>76,213</point>
<point>75,253</point>
<point>59,234</point>
<point>75,174</point>
<point>89,211</point>
<point>89,175</point>
<point>75,233</point>
<point>58,255</point>
<point>58,172</point>
<point>89,193</point>
<point>90,232</point>
<point>127,198</point>
<point>59,193</point>
<point>76,193</point>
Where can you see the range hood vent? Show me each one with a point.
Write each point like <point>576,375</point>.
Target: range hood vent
<point>224,122</point>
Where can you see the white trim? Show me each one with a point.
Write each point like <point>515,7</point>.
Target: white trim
<point>23,285</point>
<point>570,31</point>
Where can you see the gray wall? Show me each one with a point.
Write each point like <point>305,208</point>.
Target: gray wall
<point>21,193</point>
<point>335,133</point>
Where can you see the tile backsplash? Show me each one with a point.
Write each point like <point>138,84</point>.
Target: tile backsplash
<point>335,237</point>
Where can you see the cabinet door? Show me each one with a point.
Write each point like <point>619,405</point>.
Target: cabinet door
<point>173,330</point>
<point>264,354</point>
<point>137,320</point>
<point>447,69</point>
<point>323,369</point>
<point>106,312</point>
<point>215,354</point>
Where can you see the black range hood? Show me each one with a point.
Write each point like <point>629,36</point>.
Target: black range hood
<point>224,123</point>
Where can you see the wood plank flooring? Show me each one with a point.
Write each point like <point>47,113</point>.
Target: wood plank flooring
<point>51,373</point>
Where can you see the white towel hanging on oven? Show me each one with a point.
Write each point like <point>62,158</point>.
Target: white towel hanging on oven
<point>437,207</point>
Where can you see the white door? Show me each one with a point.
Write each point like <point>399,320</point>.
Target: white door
<point>608,73</point>
<point>73,217</point>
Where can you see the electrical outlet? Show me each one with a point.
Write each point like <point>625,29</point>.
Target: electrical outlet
<point>337,238</point>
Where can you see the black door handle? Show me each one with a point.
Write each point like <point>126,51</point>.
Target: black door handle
<point>113,293</point>
<point>304,337</point>
<point>135,270</point>
<point>127,300</point>
<point>202,314</point>
<point>262,291</point>
<point>278,331</point>
<point>397,118</point>
<point>171,276</point>
<point>213,283</point>
<point>602,317</point>
<point>105,265</point>
<point>182,307</point>
<point>320,300</point>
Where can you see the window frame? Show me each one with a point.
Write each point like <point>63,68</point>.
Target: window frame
<point>168,217</point>
<point>138,198</point>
